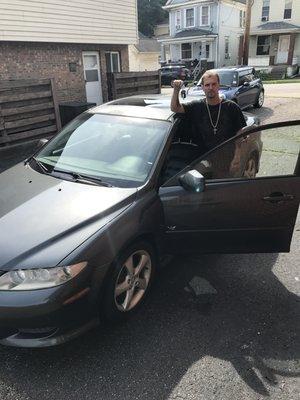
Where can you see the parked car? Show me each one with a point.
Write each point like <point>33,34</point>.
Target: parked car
<point>171,72</point>
<point>85,220</point>
<point>238,84</point>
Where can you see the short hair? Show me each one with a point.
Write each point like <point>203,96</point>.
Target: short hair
<point>208,74</point>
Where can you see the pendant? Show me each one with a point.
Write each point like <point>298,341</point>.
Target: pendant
<point>215,131</point>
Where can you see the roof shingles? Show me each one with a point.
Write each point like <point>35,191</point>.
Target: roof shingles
<point>277,25</point>
<point>193,32</point>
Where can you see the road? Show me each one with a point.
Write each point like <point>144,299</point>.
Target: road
<point>217,327</point>
<point>283,90</point>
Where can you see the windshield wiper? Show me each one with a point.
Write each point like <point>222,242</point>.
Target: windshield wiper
<point>83,178</point>
<point>41,165</point>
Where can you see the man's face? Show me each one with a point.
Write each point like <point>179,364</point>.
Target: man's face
<point>211,87</point>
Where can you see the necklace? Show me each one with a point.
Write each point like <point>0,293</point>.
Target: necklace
<point>218,117</point>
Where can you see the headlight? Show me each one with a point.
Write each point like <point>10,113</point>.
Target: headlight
<point>222,96</point>
<point>40,278</point>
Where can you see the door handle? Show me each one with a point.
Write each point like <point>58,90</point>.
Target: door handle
<point>278,197</point>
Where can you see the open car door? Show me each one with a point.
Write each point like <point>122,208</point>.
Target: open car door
<point>241,197</point>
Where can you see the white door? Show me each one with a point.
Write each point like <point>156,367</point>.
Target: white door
<point>283,49</point>
<point>92,77</point>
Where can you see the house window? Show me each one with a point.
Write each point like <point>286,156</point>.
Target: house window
<point>113,61</point>
<point>189,17</point>
<point>204,12</point>
<point>288,9</point>
<point>242,18</point>
<point>178,20</point>
<point>265,10</point>
<point>263,45</point>
<point>186,51</point>
<point>227,47</point>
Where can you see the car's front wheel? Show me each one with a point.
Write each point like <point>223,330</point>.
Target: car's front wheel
<point>130,281</point>
<point>260,100</point>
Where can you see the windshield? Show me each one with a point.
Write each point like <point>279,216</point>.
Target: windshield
<point>227,78</point>
<point>120,150</point>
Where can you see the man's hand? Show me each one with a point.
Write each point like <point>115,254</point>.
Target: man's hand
<point>177,84</point>
<point>175,104</point>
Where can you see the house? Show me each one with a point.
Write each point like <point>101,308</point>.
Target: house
<point>76,42</point>
<point>209,30</point>
<point>144,56</point>
<point>162,31</point>
<point>275,33</point>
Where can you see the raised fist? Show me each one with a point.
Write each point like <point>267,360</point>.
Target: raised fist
<point>177,84</point>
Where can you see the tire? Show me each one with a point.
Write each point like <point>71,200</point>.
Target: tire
<point>260,99</point>
<point>251,167</point>
<point>128,284</point>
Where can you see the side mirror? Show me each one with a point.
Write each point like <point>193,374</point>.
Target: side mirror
<point>246,84</point>
<point>42,142</point>
<point>192,181</point>
<point>183,93</point>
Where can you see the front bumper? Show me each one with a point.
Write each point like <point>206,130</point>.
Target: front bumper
<point>51,316</point>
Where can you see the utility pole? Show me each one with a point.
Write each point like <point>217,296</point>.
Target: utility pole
<point>249,5</point>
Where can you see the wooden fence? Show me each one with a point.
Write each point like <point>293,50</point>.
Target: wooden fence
<point>124,84</point>
<point>28,110</point>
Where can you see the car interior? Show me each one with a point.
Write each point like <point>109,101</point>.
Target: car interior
<point>182,151</point>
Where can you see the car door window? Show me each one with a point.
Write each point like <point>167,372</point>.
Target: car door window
<point>257,153</point>
<point>244,78</point>
<point>270,152</point>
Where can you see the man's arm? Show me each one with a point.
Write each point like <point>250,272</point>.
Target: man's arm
<point>238,118</point>
<point>175,104</point>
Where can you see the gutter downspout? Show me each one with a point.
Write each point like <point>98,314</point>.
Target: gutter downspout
<point>218,32</point>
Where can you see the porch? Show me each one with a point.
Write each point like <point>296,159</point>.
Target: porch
<point>275,44</point>
<point>190,47</point>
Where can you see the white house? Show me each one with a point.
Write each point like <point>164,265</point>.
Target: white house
<point>205,30</point>
<point>275,33</point>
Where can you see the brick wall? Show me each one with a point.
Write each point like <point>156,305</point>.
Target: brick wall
<point>24,60</point>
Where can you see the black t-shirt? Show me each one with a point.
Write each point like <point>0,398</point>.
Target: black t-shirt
<point>230,122</point>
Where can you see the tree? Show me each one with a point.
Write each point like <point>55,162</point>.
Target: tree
<point>150,13</point>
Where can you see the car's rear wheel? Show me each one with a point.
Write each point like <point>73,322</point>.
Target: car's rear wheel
<point>251,167</point>
<point>260,100</point>
<point>130,281</point>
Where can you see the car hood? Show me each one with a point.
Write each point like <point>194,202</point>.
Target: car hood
<point>43,219</point>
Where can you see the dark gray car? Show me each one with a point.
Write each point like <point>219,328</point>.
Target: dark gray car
<point>85,221</point>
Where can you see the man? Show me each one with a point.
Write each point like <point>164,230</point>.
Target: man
<point>214,120</point>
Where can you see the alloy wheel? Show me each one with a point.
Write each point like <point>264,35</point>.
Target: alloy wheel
<point>133,280</point>
<point>261,99</point>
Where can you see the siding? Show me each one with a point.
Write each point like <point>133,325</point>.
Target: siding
<point>142,61</point>
<point>213,9</point>
<point>69,21</point>
<point>276,12</point>
<point>230,27</point>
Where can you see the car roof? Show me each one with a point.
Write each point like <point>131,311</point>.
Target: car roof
<point>154,106</point>
<point>174,66</point>
<point>235,68</point>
